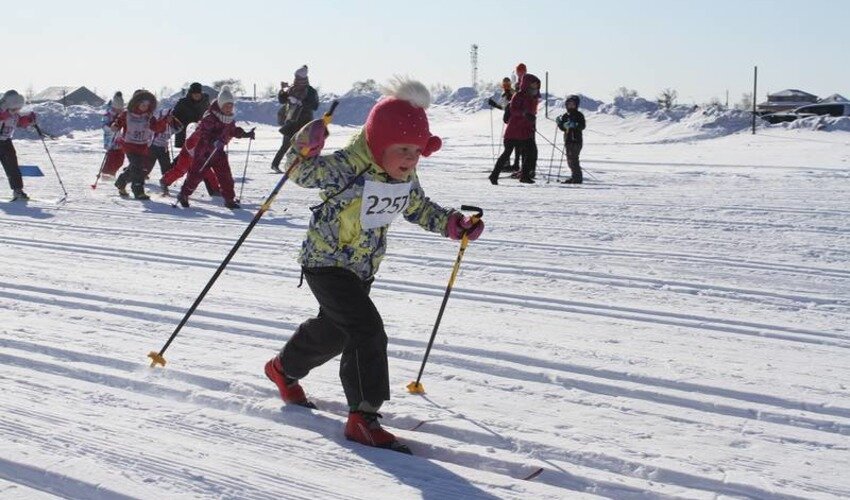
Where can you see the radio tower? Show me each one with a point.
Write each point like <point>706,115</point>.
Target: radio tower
<point>473,56</point>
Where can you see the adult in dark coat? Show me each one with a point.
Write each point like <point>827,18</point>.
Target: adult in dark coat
<point>298,104</point>
<point>190,109</point>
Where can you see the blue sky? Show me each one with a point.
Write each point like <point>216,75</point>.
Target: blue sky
<point>699,48</point>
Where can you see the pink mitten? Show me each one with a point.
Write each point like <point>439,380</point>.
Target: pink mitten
<point>311,138</point>
<point>460,224</point>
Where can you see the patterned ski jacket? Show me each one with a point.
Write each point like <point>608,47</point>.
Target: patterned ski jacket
<point>349,228</point>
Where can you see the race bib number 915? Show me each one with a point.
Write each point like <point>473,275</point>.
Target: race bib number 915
<point>382,203</point>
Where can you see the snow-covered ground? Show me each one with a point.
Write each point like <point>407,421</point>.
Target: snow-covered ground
<point>679,326</point>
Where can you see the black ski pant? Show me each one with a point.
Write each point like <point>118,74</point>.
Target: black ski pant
<point>529,158</point>
<point>135,172</point>
<point>288,130</point>
<point>348,323</point>
<point>573,149</point>
<point>9,159</point>
<point>511,146</point>
<point>160,154</point>
<point>525,149</point>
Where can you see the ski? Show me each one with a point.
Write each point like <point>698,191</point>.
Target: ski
<point>400,447</point>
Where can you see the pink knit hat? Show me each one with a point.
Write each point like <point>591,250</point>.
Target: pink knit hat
<point>399,118</point>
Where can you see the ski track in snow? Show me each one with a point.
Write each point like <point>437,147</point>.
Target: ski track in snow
<point>674,328</point>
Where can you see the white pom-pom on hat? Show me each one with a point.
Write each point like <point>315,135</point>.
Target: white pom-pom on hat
<point>225,96</point>
<point>408,89</point>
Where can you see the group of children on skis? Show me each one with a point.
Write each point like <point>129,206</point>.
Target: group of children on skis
<point>520,118</point>
<point>143,135</point>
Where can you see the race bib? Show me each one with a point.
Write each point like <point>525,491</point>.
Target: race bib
<point>138,129</point>
<point>382,203</point>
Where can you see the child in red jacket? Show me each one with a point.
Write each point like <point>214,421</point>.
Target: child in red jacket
<point>185,158</point>
<point>111,143</point>
<point>10,119</point>
<point>138,125</point>
<point>214,131</point>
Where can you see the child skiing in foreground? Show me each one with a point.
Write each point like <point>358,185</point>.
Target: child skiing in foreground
<point>139,125</point>
<point>214,131</point>
<point>572,123</point>
<point>10,119</point>
<point>365,186</point>
<point>114,154</point>
<point>183,163</point>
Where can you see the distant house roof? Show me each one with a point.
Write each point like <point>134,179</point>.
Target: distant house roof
<point>835,98</point>
<point>52,94</point>
<point>793,93</point>
<point>68,96</point>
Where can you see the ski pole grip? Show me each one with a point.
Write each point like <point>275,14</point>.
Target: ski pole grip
<point>329,114</point>
<point>479,213</point>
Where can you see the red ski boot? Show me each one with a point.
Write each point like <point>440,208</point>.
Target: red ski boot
<point>291,391</point>
<point>364,428</point>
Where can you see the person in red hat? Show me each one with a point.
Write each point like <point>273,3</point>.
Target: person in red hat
<point>519,133</point>
<point>365,187</point>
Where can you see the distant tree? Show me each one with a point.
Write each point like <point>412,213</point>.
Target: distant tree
<point>746,102</point>
<point>667,98</point>
<point>365,87</point>
<point>270,90</point>
<point>626,93</point>
<point>165,91</point>
<point>30,93</point>
<point>440,92</point>
<point>714,102</point>
<point>234,84</point>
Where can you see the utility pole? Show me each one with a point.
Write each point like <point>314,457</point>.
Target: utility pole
<point>546,113</point>
<point>755,92</point>
<point>473,58</point>
<point>727,98</point>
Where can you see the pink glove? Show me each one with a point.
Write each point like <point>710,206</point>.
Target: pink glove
<point>311,137</point>
<point>460,224</point>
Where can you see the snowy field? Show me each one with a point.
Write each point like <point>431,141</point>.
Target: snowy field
<point>679,326</point>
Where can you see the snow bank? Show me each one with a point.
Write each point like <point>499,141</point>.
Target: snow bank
<point>821,123</point>
<point>355,104</point>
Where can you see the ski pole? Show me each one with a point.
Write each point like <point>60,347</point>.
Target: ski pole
<point>552,158</point>
<point>157,357</point>
<point>416,387</point>
<point>61,184</point>
<point>103,163</point>
<point>585,169</point>
<point>492,137</point>
<point>245,170</point>
<point>204,166</point>
<point>560,164</point>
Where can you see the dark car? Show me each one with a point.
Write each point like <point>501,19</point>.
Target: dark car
<point>822,109</point>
